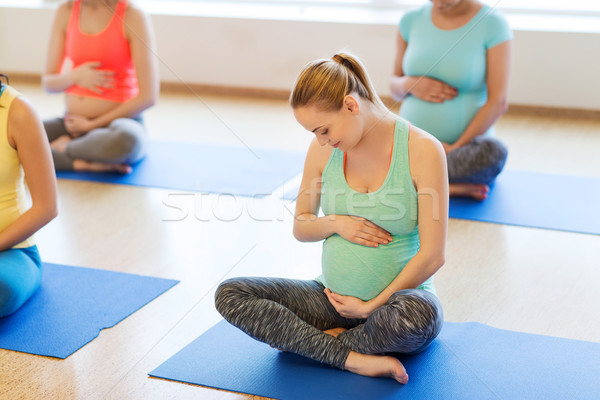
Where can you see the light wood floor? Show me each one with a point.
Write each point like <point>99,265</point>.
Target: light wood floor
<point>523,279</point>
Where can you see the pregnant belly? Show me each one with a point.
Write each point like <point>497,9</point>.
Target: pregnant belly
<point>88,107</point>
<point>446,121</point>
<point>354,270</point>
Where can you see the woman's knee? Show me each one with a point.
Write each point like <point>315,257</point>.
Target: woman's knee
<point>229,294</point>
<point>478,162</point>
<point>128,139</point>
<point>497,152</point>
<point>55,128</point>
<point>20,277</point>
<point>12,296</point>
<point>418,318</point>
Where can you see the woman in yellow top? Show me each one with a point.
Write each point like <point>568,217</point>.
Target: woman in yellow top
<point>24,153</point>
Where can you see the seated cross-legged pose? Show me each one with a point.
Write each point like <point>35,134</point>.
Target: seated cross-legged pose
<point>383,188</point>
<point>451,72</point>
<point>101,55</point>
<point>24,154</point>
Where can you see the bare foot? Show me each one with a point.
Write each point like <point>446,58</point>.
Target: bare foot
<point>476,191</point>
<point>82,165</point>
<point>334,332</point>
<point>376,366</point>
<point>60,143</point>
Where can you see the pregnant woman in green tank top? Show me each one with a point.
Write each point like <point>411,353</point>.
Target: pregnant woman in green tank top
<point>382,186</point>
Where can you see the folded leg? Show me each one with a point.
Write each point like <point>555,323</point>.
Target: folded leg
<point>406,324</point>
<point>287,314</point>
<point>478,162</point>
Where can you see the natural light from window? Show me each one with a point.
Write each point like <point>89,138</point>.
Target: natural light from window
<point>552,6</point>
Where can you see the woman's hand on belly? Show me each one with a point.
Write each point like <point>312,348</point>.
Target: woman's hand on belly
<point>77,125</point>
<point>88,76</point>
<point>361,231</point>
<point>348,306</point>
<point>432,90</point>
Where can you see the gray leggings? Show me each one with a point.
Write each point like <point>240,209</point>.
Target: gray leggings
<point>480,161</point>
<point>123,141</point>
<point>292,315</point>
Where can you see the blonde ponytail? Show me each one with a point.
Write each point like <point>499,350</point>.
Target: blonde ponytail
<point>324,83</point>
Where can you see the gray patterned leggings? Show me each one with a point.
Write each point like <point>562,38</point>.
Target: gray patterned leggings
<point>479,161</point>
<point>292,315</point>
<point>121,142</point>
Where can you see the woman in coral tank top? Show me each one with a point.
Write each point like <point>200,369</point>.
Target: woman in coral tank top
<point>101,55</point>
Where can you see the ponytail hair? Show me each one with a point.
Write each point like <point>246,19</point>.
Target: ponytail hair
<point>324,83</point>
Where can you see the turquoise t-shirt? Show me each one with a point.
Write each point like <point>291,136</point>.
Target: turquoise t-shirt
<point>456,57</point>
<point>354,270</point>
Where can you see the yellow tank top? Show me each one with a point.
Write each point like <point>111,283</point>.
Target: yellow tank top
<point>13,196</point>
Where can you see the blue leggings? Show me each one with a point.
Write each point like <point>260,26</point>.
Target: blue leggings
<point>20,277</point>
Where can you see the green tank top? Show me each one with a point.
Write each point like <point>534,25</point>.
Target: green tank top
<point>354,270</point>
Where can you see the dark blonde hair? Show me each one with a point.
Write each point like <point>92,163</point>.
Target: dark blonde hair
<point>324,83</point>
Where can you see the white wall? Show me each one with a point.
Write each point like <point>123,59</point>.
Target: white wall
<point>555,69</point>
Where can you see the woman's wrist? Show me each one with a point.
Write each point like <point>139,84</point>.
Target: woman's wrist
<point>100,121</point>
<point>399,86</point>
<point>369,308</point>
<point>409,84</point>
<point>72,77</point>
<point>310,228</point>
<point>376,302</point>
<point>332,225</point>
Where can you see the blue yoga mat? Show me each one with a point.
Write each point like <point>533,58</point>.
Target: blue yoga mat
<point>73,305</point>
<point>566,203</point>
<point>206,168</point>
<point>467,361</point>
<point>559,202</point>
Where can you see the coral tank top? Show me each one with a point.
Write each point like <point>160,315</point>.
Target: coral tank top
<point>110,47</point>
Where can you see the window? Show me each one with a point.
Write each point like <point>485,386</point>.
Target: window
<point>518,6</point>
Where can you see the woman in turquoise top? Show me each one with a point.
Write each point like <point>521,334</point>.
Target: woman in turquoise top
<point>451,71</point>
<point>383,188</point>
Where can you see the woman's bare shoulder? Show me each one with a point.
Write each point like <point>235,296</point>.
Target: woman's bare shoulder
<point>318,155</point>
<point>134,11</point>
<point>21,118</point>
<point>63,12</point>
<point>423,148</point>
